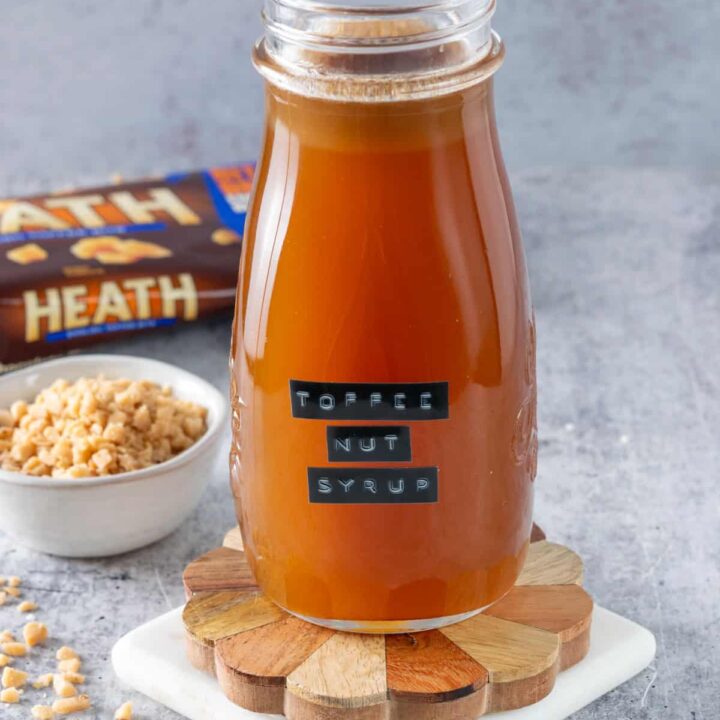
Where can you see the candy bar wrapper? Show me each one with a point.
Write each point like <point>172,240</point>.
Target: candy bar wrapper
<point>87,266</point>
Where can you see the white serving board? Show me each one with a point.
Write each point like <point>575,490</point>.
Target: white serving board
<point>151,659</point>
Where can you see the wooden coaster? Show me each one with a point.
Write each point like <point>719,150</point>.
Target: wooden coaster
<point>271,662</point>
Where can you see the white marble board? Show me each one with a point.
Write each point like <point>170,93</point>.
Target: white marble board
<point>151,659</point>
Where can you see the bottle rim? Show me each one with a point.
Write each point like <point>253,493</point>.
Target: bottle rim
<point>377,50</point>
<point>299,21</point>
<point>394,6</point>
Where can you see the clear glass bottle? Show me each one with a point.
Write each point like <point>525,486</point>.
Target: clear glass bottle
<point>383,359</point>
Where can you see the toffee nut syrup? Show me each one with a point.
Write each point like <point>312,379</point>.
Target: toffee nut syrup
<point>383,359</point>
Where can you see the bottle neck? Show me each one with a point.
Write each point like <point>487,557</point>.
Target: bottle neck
<point>299,121</point>
<point>377,53</point>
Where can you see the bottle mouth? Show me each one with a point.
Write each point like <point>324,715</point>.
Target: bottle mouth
<point>356,26</point>
<point>376,50</point>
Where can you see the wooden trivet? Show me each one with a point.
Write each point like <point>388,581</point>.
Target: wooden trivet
<point>271,662</point>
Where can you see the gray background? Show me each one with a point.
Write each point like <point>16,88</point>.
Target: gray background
<point>608,112</point>
<point>90,88</point>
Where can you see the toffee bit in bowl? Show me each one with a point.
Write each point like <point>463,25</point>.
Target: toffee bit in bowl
<point>96,427</point>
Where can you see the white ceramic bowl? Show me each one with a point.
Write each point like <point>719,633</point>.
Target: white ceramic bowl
<point>109,515</point>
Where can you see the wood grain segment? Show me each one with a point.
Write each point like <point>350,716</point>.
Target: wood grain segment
<point>522,692</point>
<point>208,617</point>
<point>347,671</point>
<point>562,609</point>
<point>469,707</point>
<point>268,699</point>
<point>220,569</point>
<point>573,651</point>
<point>299,708</point>
<point>268,654</point>
<point>428,667</point>
<point>507,650</point>
<point>252,666</point>
<point>233,539</point>
<point>551,564</point>
<point>200,655</point>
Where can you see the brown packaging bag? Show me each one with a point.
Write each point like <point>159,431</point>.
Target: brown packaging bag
<point>86,266</point>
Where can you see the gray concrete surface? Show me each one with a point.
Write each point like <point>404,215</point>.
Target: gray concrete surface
<point>92,88</point>
<point>624,267</point>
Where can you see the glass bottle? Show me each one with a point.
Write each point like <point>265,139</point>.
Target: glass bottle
<point>383,358</point>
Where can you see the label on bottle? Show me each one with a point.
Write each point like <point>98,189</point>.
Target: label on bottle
<point>369,401</point>
<point>378,443</point>
<point>370,443</point>
<point>381,486</point>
